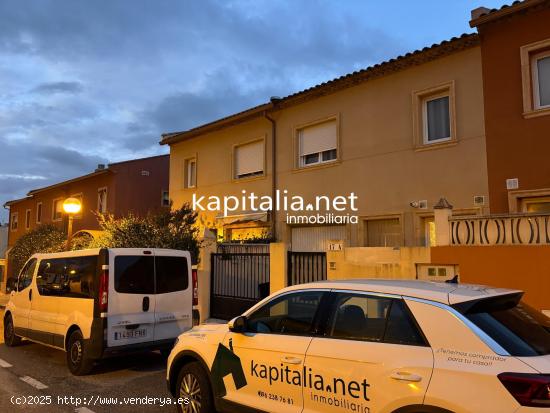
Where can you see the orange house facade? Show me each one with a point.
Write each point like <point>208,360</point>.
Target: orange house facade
<point>515,54</point>
<point>136,186</point>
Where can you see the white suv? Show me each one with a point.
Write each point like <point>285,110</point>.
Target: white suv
<point>378,346</point>
<point>100,302</point>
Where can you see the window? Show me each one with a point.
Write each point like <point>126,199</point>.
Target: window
<point>437,125</point>
<point>28,219</point>
<point>67,277</point>
<point>25,276</point>
<point>249,160</point>
<point>541,80</point>
<point>190,175</point>
<point>135,274</point>
<point>57,209</point>
<point>434,116</point>
<point>14,221</point>
<point>318,143</point>
<point>536,205</point>
<point>39,213</point>
<point>429,232</point>
<point>288,314</point>
<point>371,318</point>
<point>165,199</point>
<point>383,233</point>
<point>102,200</point>
<point>519,329</point>
<point>171,274</point>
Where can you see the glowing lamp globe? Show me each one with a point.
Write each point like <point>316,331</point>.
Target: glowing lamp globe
<point>72,206</point>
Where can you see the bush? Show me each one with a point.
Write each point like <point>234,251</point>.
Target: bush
<point>174,229</point>
<point>43,239</point>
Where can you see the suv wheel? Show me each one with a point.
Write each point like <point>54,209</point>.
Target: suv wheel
<point>10,338</point>
<point>193,387</point>
<point>77,360</point>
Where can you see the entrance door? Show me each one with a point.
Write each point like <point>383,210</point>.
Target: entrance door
<point>131,303</point>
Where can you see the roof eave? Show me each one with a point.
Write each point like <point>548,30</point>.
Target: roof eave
<point>505,11</point>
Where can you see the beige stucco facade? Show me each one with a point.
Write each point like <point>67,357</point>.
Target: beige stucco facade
<point>380,158</point>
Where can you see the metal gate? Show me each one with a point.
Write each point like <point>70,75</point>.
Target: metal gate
<point>304,267</point>
<point>238,281</point>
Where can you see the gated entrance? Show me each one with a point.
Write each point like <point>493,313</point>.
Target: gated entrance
<point>304,267</point>
<point>239,280</point>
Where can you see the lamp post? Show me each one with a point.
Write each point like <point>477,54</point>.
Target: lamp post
<point>71,206</point>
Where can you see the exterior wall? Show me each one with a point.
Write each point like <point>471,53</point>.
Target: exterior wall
<point>521,267</point>
<point>4,231</point>
<point>517,146</point>
<point>378,159</point>
<point>376,263</point>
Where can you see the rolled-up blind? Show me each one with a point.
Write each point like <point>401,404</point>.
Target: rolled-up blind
<point>318,138</point>
<point>249,158</point>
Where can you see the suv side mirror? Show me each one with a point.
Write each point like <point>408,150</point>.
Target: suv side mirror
<point>238,324</point>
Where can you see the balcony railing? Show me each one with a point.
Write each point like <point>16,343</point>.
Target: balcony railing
<point>517,229</point>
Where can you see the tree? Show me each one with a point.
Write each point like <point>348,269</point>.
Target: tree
<point>43,239</point>
<point>174,229</point>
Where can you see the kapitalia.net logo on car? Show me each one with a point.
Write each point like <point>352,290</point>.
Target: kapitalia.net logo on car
<point>322,210</point>
<point>333,392</point>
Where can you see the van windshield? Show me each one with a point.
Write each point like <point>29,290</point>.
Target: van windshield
<point>518,328</point>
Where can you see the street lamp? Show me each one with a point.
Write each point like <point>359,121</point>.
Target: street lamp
<point>71,206</point>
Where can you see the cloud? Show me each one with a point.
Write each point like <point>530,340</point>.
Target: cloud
<point>58,87</point>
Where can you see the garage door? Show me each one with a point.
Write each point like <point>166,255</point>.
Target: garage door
<point>315,239</point>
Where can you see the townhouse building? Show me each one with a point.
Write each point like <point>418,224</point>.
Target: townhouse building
<point>398,135</point>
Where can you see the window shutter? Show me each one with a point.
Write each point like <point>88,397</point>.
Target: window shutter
<point>318,138</point>
<point>249,158</point>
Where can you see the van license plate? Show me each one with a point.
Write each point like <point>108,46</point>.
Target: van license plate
<point>122,335</point>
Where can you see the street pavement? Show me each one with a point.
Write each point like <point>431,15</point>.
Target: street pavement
<point>35,370</point>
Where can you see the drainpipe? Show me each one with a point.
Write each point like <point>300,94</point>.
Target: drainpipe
<point>273,168</point>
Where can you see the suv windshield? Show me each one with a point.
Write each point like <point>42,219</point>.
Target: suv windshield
<point>517,327</point>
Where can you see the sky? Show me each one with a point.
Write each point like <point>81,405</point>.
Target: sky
<point>88,82</point>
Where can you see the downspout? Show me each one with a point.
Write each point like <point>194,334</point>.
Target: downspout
<point>273,170</point>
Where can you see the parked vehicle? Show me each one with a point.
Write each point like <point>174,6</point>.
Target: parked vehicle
<point>379,346</point>
<point>102,302</point>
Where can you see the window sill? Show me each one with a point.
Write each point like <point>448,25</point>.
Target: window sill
<point>317,166</point>
<point>535,113</point>
<point>431,146</point>
<point>248,179</point>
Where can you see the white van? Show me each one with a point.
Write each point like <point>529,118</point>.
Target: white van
<point>99,302</point>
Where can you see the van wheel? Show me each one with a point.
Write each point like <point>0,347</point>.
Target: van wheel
<point>77,360</point>
<point>194,387</point>
<point>10,338</point>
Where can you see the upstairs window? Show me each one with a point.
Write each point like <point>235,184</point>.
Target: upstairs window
<point>102,200</point>
<point>249,160</point>
<point>318,143</point>
<point>541,80</point>
<point>437,120</point>
<point>14,222</point>
<point>39,213</point>
<point>165,199</point>
<point>190,174</point>
<point>57,209</point>
<point>28,219</point>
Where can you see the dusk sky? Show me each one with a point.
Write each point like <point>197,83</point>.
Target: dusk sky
<point>88,82</point>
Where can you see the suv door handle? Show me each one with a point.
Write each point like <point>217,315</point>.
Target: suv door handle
<point>405,376</point>
<point>291,360</point>
<point>30,294</point>
<point>145,304</point>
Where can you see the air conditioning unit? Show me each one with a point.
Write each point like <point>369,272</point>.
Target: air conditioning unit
<point>479,200</point>
<point>145,173</point>
<point>512,183</point>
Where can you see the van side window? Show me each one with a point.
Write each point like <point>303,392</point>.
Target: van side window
<point>172,274</point>
<point>25,277</point>
<point>67,277</point>
<point>135,274</point>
